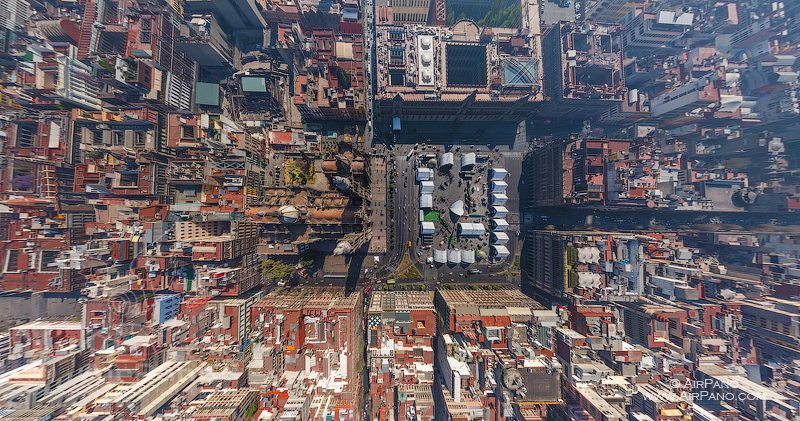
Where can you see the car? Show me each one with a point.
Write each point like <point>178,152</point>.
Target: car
<point>474,272</point>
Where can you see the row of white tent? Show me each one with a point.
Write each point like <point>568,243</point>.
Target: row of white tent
<point>448,159</point>
<point>498,212</point>
<point>474,229</point>
<point>496,175</point>
<point>456,256</point>
<point>426,187</point>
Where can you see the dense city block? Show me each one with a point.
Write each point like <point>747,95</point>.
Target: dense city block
<point>399,210</point>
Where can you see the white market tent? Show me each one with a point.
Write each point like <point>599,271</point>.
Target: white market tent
<point>439,256</point>
<point>500,252</point>
<point>499,186</point>
<point>424,174</point>
<point>426,187</point>
<point>499,238</point>
<point>468,256</point>
<point>499,224</point>
<point>425,201</point>
<point>427,228</point>
<point>498,174</point>
<point>457,208</point>
<point>588,279</point>
<point>469,229</point>
<point>445,159</point>
<point>468,160</point>
<point>499,212</point>
<point>588,255</point>
<point>454,256</point>
<point>499,198</point>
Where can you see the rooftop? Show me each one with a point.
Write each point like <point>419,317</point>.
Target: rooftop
<point>450,64</point>
<point>322,298</point>
<point>381,301</point>
<point>49,325</point>
<point>478,301</point>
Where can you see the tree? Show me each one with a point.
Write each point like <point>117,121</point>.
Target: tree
<point>251,410</point>
<point>342,77</point>
<point>276,270</point>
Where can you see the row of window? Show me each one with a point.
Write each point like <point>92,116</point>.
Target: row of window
<point>411,17</point>
<point>46,261</point>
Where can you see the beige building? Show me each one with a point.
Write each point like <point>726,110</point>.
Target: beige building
<point>407,11</point>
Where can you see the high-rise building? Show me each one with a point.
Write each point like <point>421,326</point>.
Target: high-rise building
<point>654,30</point>
<point>461,73</point>
<point>574,266</point>
<point>609,11</point>
<point>582,69</point>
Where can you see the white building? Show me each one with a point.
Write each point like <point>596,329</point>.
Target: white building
<point>470,229</point>
<point>499,238</point>
<point>446,160</point>
<point>685,98</point>
<point>71,80</point>
<point>498,174</point>
<point>454,256</point>
<point>654,30</point>
<point>499,211</point>
<point>13,14</point>
<point>424,174</point>
<point>499,186</point>
<point>499,224</point>
<point>499,199</point>
<point>467,160</point>
<point>425,201</point>
<point>500,252</point>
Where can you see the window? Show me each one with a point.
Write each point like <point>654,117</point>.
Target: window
<point>129,180</point>
<point>22,179</point>
<point>144,35</point>
<point>47,261</point>
<point>138,138</point>
<point>12,261</point>
<point>117,138</point>
<point>187,132</point>
<point>26,133</point>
